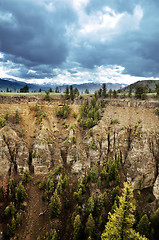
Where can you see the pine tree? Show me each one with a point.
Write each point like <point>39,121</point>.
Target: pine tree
<point>143,226</point>
<point>130,92</point>
<point>90,205</point>
<point>67,93</point>
<point>55,206</point>
<point>71,93</point>
<point>77,227</point>
<point>155,223</point>
<point>16,116</point>
<point>104,90</point>
<point>120,224</point>
<point>20,193</point>
<point>90,226</point>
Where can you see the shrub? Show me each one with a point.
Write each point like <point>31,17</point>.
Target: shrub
<point>91,133</point>
<point>58,170</point>
<point>74,140</point>
<point>6,116</point>
<point>58,112</point>
<point>92,145</point>
<point>114,121</point>
<point>74,115</point>
<point>10,210</point>
<point>2,122</point>
<point>21,133</point>
<point>47,96</point>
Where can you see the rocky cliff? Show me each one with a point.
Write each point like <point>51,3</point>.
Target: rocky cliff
<point>41,141</point>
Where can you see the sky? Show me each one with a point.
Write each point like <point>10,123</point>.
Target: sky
<point>79,41</point>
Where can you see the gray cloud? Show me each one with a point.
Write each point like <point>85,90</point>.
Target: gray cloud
<point>46,38</point>
<point>31,32</point>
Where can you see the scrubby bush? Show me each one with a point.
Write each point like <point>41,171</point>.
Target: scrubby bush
<point>2,122</point>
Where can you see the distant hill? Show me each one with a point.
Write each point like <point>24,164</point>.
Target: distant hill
<point>150,85</point>
<point>15,85</point>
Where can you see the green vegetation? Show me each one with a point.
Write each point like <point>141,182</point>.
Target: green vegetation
<point>2,122</point>
<point>93,174</point>
<point>143,226</point>
<point>90,205</point>
<point>16,117</point>
<point>47,96</point>
<point>140,92</point>
<point>90,114</point>
<point>55,206</point>
<point>71,93</point>
<point>120,224</point>
<point>15,196</point>
<point>90,226</point>
<point>157,111</point>
<point>114,121</point>
<point>63,112</point>
<point>77,225</point>
<point>25,89</point>
<point>154,225</point>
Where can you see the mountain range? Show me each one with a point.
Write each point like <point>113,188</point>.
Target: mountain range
<point>15,85</point>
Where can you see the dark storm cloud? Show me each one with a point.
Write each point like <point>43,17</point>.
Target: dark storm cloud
<point>33,33</point>
<point>47,38</point>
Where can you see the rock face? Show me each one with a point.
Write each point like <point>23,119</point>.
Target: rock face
<point>156,188</point>
<point>45,155</point>
<point>140,163</point>
<point>5,161</point>
<point>137,143</point>
<point>14,153</point>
